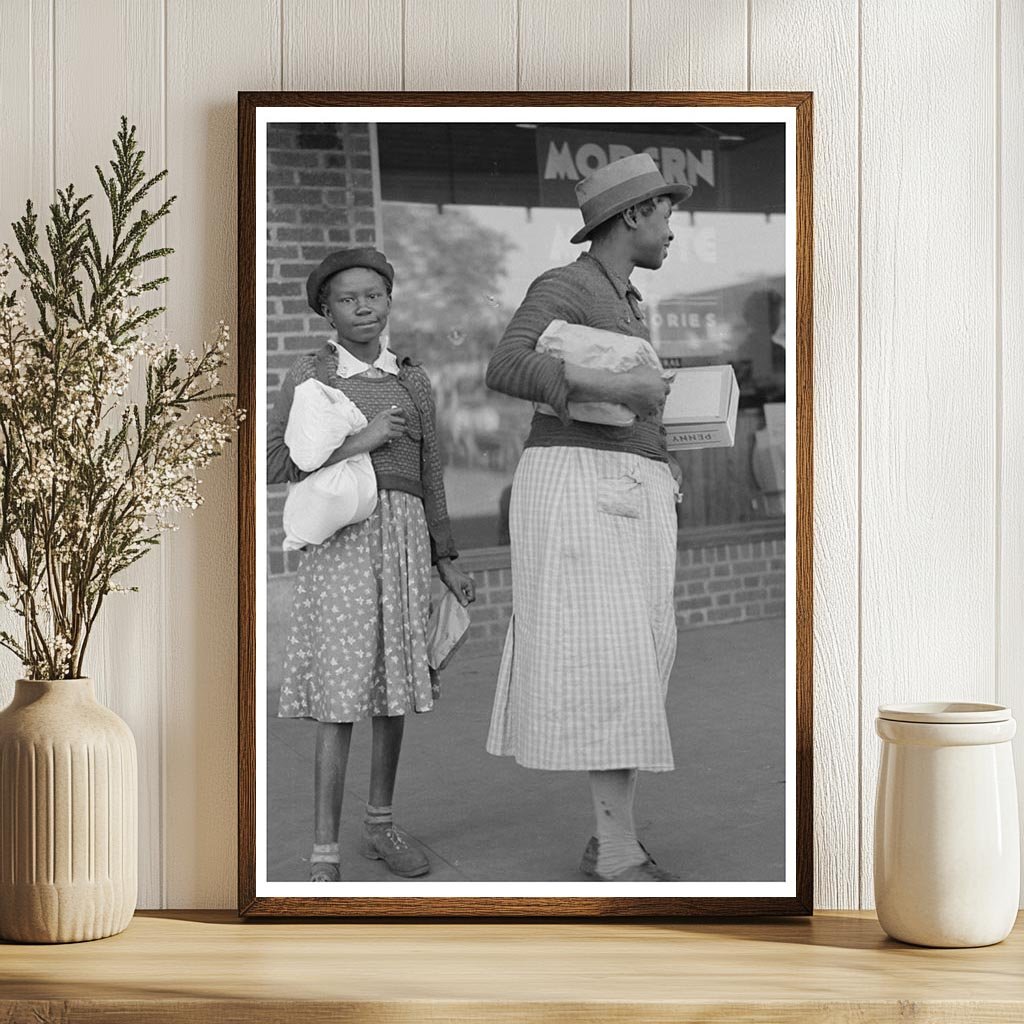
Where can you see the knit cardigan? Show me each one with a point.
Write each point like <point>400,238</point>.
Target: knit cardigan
<point>323,365</point>
<point>584,292</point>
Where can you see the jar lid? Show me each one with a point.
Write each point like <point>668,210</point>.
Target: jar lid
<point>945,713</point>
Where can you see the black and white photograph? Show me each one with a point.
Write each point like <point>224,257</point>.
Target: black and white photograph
<point>525,503</point>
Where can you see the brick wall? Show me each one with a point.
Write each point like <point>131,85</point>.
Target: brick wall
<point>730,582</point>
<point>320,198</point>
<point>722,575</point>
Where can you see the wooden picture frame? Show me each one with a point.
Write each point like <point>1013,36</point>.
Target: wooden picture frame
<point>259,896</point>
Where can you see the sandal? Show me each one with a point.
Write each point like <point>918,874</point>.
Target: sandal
<point>325,864</point>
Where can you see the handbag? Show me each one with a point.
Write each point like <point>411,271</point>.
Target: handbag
<point>447,630</point>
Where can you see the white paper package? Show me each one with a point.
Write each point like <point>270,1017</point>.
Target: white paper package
<point>320,420</point>
<point>599,350</point>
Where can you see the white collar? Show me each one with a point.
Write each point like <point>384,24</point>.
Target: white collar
<point>349,366</point>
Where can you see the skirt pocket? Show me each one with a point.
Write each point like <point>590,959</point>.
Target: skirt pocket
<point>620,496</point>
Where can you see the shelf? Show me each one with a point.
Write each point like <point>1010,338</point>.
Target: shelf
<point>208,966</point>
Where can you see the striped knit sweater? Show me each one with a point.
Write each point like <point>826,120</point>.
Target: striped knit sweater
<point>396,465</point>
<point>584,292</point>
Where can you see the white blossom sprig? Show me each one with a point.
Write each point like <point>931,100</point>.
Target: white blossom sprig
<point>89,476</point>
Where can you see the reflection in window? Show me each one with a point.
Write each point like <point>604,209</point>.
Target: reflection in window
<point>720,297</point>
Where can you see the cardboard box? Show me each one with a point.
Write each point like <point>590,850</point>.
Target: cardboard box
<point>700,411</point>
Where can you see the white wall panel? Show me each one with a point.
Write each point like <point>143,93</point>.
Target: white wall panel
<point>26,107</point>
<point>347,44</point>
<point>1010,314</point>
<point>213,51</point>
<point>26,171</point>
<point>831,73</point>
<point>697,44</point>
<point>928,516</point>
<point>127,665</point>
<point>919,483</point>
<point>573,44</point>
<point>460,44</point>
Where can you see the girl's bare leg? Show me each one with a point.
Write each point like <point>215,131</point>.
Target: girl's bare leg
<point>332,744</point>
<point>387,747</point>
<point>381,840</point>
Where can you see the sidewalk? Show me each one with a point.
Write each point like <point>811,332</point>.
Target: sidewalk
<point>719,816</point>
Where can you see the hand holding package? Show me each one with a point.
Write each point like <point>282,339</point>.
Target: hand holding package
<point>320,420</point>
<point>599,350</point>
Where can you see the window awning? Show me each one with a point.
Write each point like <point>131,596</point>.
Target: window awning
<point>733,167</point>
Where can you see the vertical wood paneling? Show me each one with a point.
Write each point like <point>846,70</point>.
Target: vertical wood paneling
<point>573,44</point>
<point>939,616</point>
<point>928,516</point>
<point>700,44</point>
<point>1010,262</point>
<point>125,662</point>
<point>26,171</point>
<point>26,101</point>
<point>345,45</point>
<point>213,51</point>
<point>460,44</point>
<point>831,72</point>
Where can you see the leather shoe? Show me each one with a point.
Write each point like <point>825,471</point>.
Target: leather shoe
<point>325,864</point>
<point>391,845</point>
<point>647,871</point>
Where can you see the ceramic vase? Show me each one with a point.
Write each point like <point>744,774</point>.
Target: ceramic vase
<point>947,848</point>
<point>68,815</point>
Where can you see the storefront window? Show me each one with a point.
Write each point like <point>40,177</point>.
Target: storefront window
<point>465,266</point>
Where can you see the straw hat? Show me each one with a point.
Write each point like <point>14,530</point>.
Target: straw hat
<point>620,185</point>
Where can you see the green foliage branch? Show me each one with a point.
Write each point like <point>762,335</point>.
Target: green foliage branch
<point>89,476</point>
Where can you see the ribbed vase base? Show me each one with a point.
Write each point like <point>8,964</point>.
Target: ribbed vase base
<point>63,913</point>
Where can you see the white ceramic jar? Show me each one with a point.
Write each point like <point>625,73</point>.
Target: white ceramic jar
<point>947,847</point>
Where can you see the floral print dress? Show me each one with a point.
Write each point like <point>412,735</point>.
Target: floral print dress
<point>357,637</point>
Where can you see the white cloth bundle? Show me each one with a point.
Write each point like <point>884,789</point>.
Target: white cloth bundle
<point>317,507</point>
<point>600,350</point>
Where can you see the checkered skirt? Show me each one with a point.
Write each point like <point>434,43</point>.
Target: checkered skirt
<point>592,639</point>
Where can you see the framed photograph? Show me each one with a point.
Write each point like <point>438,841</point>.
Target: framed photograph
<point>525,504</point>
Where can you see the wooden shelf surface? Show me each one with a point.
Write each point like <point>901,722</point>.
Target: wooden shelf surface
<point>200,966</point>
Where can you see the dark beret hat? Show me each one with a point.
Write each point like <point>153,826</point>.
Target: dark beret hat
<point>345,259</point>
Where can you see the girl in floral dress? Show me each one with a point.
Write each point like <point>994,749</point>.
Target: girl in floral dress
<point>356,644</point>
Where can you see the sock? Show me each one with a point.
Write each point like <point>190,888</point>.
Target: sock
<point>613,793</point>
<point>378,817</point>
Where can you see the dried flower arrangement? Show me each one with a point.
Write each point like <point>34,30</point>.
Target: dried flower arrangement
<point>89,477</point>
